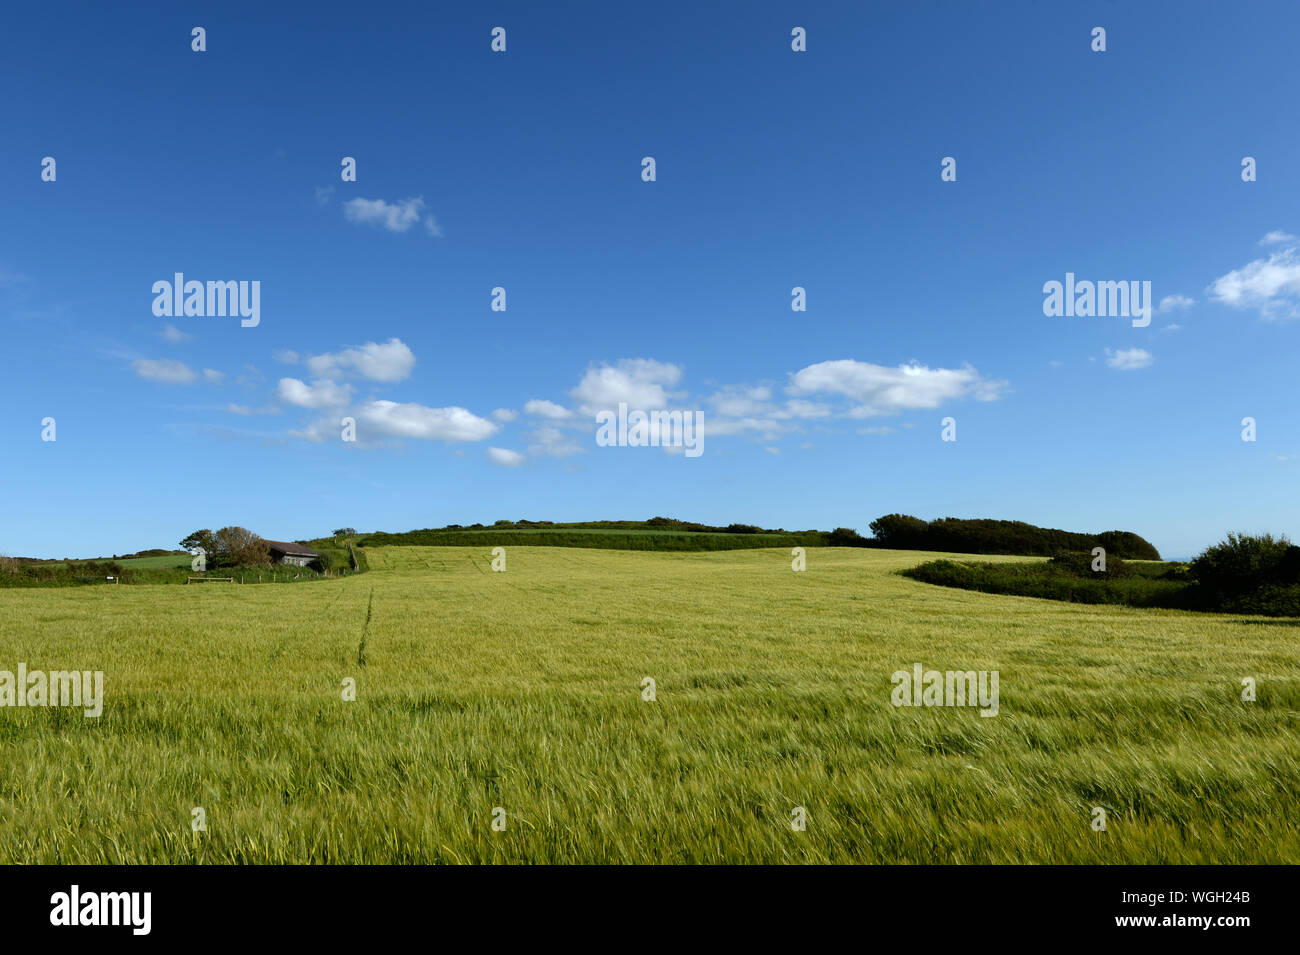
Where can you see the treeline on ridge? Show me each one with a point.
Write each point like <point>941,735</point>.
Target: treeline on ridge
<point>893,531</point>
<point>606,535</point>
<point>965,536</point>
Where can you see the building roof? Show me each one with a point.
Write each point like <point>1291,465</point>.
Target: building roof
<point>295,549</point>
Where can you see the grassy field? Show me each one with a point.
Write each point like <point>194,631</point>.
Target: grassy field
<point>160,562</point>
<point>522,690</point>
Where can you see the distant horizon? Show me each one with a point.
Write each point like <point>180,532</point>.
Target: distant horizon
<point>864,531</point>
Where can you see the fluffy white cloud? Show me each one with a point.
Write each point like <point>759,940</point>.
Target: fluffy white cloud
<point>1271,285</point>
<point>764,428</point>
<point>798,408</point>
<point>1172,303</point>
<point>640,382</point>
<point>409,420</point>
<point>1277,237</point>
<point>165,370</point>
<point>823,392</point>
<point>397,216</point>
<point>505,458</point>
<point>546,409</point>
<point>741,409</point>
<point>738,401</point>
<point>552,442</point>
<point>1128,359</point>
<point>391,361</point>
<point>319,394</point>
<point>881,390</point>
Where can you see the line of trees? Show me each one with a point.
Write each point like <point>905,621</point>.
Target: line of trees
<point>656,523</point>
<point>961,536</point>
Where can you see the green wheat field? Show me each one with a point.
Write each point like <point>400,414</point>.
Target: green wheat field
<point>523,690</point>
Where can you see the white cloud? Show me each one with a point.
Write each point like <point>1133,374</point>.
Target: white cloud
<point>798,408</point>
<point>212,375</point>
<point>737,401</point>
<point>546,409</point>
<point>881,390</point>
<point>1277,237</point>
<point>882,429</point>
<point>1128,359</point>
<point>174,335</point>
<point>391,361</point>
<point>286,356</point>
<point>324,194</point>
<point>246,410</point>
<point>165,370</point>
<point>324,429</point>
<point>505,458</point>
<point>640,382</point>
<point>829,390</point>
<point>319,394</point>
<point>410,420</point>
<point>766,429</point>
<point>1171,303</point>
<point>397,216</point>
<point>1271,285</point>
<point>552,442</point>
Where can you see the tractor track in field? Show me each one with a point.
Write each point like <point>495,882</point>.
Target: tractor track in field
<point>365,630</point>
<point>283,642</point>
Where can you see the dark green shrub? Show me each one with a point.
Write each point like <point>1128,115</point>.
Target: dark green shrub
<point>845,537</point>
<point>1053,581</point>
<point>900,531</point>
<point>1080,564</point>
<point>1243,563</point>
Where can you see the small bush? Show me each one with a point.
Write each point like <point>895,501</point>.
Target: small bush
<point>1080,564</point>
<point>1051,580</point>
<point>1243,563</point>
<point>845,537</point>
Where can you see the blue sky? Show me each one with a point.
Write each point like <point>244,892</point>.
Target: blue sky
<point>522,170</point>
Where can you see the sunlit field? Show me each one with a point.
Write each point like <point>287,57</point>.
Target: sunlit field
<point>523,690</point>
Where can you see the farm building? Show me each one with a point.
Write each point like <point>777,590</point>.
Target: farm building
<point>295,554</point>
